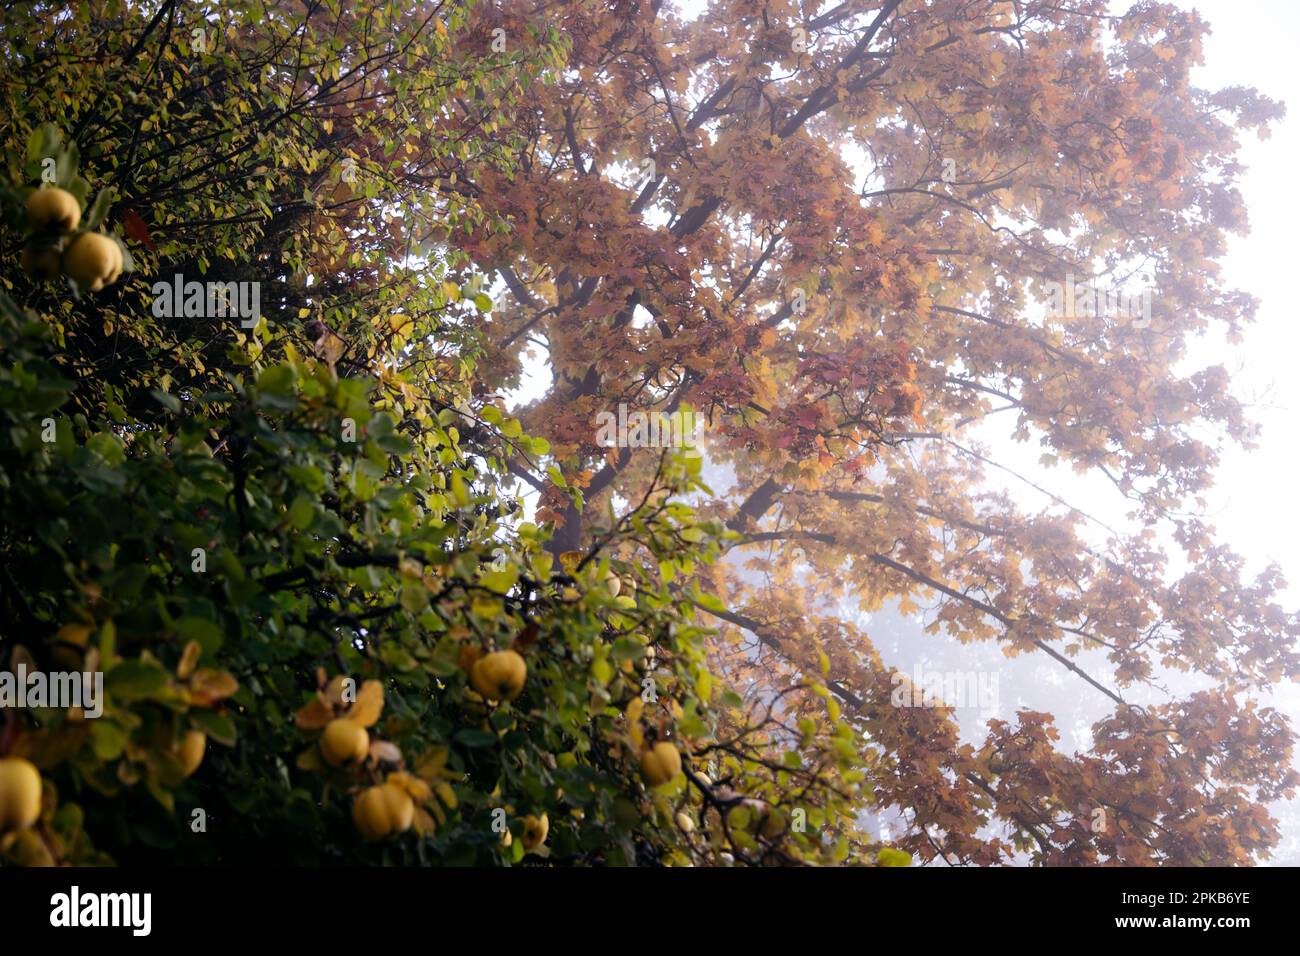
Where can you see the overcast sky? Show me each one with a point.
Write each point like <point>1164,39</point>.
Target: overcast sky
<point>1253,44</point>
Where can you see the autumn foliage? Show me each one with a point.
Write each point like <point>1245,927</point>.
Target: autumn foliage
<point>832,229</point>
<point>355,604</point>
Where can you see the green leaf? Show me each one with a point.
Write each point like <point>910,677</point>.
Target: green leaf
<point>628,649</point>
<point>470,737</point>
<point>217,726</point>
<point>710,602</point>
<point>301,512</point>
<point>107,739</point>
<point>278,379</point>
<point>35,144</point>
<point>167,400</point>
<point>135,680</point>
<point>65,166</point>
<point>704,685</point>
<point>98,209</point>
<point>200,629</point>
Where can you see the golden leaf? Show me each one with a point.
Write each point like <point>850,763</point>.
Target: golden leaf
<point>189,660</point>
<point>208,686</point>
<point>77,634</point>
<point>423,822</point>
<point>446,794</point>
<point>431,763</point>
<point>369,705</point>
<point>314,714</point>
<point>419,790</point>
<point>309,760</point>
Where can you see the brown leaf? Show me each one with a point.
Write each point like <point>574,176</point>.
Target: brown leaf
<point>137,229</point>
<point>208,686</point>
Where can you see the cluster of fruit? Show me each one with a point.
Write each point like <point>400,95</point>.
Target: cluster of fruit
<point>390,807</point>
<point>387,799</point>
<point>536,829</point>
<point>500,676</point>
<point>90,259</point>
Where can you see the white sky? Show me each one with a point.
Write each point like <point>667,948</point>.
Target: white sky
<point>1253,44</point>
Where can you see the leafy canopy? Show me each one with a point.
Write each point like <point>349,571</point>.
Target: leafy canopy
<point>843,233</point>
<point>257,528</point>
<point>835,231</point>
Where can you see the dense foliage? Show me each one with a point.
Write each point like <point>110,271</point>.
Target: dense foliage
<point>844,232</point>
<point>228,520</point>
<point>294,542</point>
